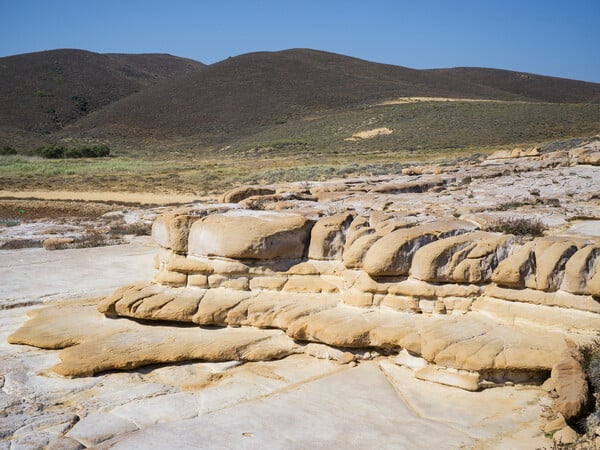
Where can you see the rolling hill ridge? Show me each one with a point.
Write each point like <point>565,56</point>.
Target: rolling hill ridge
<point>78,95</point>
<point>241,94</point>
<point>41,92</point>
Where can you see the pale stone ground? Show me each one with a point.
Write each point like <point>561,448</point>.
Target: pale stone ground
<point>36,275</point>
<point>297,402</point>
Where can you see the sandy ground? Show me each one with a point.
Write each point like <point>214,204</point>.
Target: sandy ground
<point>122,197</point>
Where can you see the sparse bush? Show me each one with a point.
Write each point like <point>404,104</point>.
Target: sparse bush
<point>43,93</point>
<point>259,204</point>
<point>138,229</point>
<point>519,226</point>
<point>510,205</point>
<point>6,150</point>
<point>53,151</point>
<point>591,365</point>
<point>305,185</point>
<point>58,243</point>
<point>80,102</point>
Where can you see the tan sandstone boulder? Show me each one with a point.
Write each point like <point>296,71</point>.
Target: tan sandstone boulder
<point>243,192</point>
<point>179,263</point>
<point>462,379</point>
<point>550,265</point>
<point>513,271</point>
<point>587,154</point>
<point>569,381</point>
<point>328,236</point>
<point>579,269</point>
<point>565,436</point>
<point>392,254</point>
<point>554,425</point>
<point>469,257</point>
<point>250,235</point>
<point>171,230</point>
<point>168,278</point>
<point>355,253</point>
<point>358,227</point>
<point>539,264</point>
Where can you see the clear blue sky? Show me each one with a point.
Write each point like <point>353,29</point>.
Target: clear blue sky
<point>559,38</point>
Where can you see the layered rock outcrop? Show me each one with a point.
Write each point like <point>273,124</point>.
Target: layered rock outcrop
<point>477,308</point>
<point>383,260</point>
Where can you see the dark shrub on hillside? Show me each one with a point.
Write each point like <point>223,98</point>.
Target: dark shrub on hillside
<point>80,102</point>
<point>51,151</point>
<point>7,150</point>
<point>59,151</point>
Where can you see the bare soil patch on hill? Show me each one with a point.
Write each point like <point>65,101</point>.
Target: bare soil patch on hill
<point>30,209</point>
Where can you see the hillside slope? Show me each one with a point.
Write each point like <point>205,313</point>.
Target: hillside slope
<point>532,86</point>
<point>242,95</point>
<point>257,89</point>
<point>76,95</point>
<point>43,91</point>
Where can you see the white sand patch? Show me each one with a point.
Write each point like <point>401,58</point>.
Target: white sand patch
<point>402,100</point>
<point>369,134</point>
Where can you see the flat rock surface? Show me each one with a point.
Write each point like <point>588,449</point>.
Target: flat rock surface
<point>587,228</point>
<point>36,275</point>
<point>359,407</point>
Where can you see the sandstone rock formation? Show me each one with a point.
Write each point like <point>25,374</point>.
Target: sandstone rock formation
<point>241,193</point>
<point>249,235</point>
<point>351,281</point>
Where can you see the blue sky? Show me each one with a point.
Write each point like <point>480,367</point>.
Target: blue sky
<point>559,38</point>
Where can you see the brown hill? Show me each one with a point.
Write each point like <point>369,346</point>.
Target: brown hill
<point>242,94</point>
<point>43,91</point>
<point>247,91</point>
<point>531,86</point>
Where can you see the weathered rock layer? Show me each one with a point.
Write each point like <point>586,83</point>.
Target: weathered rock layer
<point>475,307</point>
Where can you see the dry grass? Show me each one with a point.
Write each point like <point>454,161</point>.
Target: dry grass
<point>314,149</point>
<point>519,226</point>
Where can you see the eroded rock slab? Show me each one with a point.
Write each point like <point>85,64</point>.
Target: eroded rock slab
<point>107,344</point>
<point>466,342</point>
